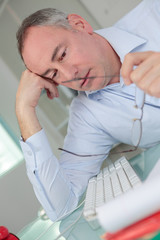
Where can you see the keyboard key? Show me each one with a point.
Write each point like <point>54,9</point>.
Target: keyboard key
<point>117,165</point>
<point>115,184</point>
<point>99,192</point>
<point>108,193</point>
<point>131,174</point>
<point>124,181</point>
<point>111,168</point>
<point>89,207</point>
<point>105,172</point>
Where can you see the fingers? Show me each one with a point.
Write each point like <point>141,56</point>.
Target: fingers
<point>51,88</point>
<point>147,74</point>
<point>150,82</point>
<point>133,59</point>
<point>45,83</point>
<point>30,88</point>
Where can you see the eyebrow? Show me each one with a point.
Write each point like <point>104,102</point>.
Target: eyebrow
<point>56,50</point>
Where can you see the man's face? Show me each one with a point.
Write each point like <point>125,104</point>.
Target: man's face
<point>60,54</point>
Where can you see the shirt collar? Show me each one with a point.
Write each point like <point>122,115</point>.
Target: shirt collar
<point>122,42</point>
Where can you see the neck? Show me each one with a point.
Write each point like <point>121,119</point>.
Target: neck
<point>113,63</point>
<point>117,66</point>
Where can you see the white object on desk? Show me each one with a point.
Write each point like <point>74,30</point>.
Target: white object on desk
<point>130,207</point>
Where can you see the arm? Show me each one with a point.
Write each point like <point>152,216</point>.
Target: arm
<point>27,97</point>
<point>58,185</point>
<point>43,168</point>
<point>147,74</point>
<point>49,181</point>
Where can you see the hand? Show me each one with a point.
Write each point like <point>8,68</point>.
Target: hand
<point>30,88</point>
<point>27,97</point>
<point>147,74</point>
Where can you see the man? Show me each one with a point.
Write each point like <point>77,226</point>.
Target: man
<point>57,48</point>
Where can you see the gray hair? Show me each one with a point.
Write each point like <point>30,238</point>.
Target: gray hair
<point>43,17</point>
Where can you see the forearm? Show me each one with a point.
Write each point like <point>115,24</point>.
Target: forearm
<point>28,121</point>
<point>27,97</point>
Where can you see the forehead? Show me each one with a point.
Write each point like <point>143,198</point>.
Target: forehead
<point>43,35</point>
<point>41,40</point>
<point>45,30</point>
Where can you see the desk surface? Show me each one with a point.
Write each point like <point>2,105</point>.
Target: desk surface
<point>41,229</point>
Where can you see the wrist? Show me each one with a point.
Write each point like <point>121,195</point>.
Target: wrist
<point>24,110</point>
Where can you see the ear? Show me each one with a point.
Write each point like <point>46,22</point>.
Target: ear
<point>79,23</point>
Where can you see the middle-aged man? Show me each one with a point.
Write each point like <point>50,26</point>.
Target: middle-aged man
<point>56,48</point>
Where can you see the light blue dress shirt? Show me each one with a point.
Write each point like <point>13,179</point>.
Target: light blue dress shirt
<point>98,120</point>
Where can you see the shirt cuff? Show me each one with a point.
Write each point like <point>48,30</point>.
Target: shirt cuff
<point>36,149</point>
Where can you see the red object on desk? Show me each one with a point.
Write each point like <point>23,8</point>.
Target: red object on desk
<point>137,230</point>
<point>3,232</point>
<point>5,235</point>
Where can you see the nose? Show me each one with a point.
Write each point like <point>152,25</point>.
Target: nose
<point>68,72</point>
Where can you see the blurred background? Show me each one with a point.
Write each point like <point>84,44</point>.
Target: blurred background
<point>18,205</point>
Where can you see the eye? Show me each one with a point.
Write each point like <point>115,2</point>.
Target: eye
<point>54,74</point>
<point>62,56</point>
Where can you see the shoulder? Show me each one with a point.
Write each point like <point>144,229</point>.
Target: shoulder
<point>138,14</point>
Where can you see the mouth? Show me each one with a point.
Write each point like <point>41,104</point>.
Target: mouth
<point>85,80</point>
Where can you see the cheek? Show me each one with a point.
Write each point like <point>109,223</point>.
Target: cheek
<point>82,52</point>
<point>84,57</point>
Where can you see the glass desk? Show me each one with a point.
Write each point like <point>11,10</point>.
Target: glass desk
<point>42,229</point>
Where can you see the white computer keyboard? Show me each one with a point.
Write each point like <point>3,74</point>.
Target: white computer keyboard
<point>110,183</point>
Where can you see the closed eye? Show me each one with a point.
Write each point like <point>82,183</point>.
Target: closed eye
<point>62,56</point>
<point>54,75</point>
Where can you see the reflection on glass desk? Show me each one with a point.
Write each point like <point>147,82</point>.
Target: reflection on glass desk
<point>10,152</point>
<point>41,229</point>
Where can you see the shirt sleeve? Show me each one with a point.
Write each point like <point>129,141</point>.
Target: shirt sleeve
<point>49,181</point>
<point>59,184</point>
